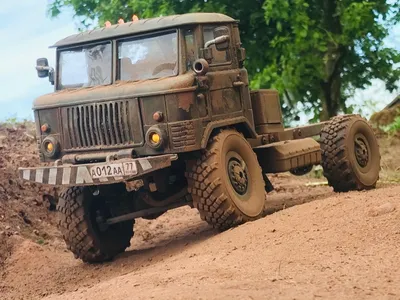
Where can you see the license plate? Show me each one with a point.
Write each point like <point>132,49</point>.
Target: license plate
<point>114,170</point>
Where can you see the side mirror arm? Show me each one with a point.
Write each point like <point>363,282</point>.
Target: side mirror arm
<point>44,68</point>
<point>51,76</point>
<point>218,40</point>
<point>49,72</point>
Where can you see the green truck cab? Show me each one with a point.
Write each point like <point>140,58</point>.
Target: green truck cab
<point>155,114</point>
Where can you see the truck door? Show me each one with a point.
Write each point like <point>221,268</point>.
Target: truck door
<point>224,95</point>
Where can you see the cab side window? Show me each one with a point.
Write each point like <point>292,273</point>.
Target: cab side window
<point>219,57</point>
<point>190,48</point>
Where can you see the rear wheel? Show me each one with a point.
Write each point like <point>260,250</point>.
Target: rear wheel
<point>350,154</point>
<point>82,215</point>
<point>226,183</point>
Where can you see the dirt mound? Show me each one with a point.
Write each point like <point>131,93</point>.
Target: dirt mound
<point>386,116</point>
<point>34,271</point>
<point>390,158</point>
<point>341,246</point>
<point>24,207</point>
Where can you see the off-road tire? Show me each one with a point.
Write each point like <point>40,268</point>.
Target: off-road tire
<point>81,233</point>
<point>209,183</point>
<point>339,160</point>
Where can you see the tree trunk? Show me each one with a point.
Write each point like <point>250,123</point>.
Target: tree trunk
<point>331,85</point>
<point>330,97</point>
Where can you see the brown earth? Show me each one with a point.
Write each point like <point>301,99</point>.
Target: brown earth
<point>25,209</point>
<point>335,246</point>
<point>386,116</point>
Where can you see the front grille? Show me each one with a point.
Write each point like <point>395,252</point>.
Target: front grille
<point>183,135</point>
<point>100,124</point>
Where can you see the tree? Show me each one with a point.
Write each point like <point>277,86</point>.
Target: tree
<point>315,52</point>
<point>327,48</point>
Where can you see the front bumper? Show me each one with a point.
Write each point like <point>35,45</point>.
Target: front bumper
<point>98,173</point>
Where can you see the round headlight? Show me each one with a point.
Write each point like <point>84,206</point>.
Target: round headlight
<point>50,147</point>
<point>154,137</point>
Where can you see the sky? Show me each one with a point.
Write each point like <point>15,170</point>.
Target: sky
<point>27,32</point>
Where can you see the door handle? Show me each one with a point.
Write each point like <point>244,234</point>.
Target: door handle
<point>238,83</point>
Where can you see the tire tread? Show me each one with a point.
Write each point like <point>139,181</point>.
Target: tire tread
<point>75,229</point>
<point>204,183</point>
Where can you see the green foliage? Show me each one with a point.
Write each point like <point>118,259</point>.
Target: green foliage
<point>316,173</point>
<point>394,127</point>
<point>316,52</point>
<point>11,120</point>
<point>327,49</point>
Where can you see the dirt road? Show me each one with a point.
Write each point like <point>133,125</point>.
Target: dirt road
<point>311,244</point>
<point>343,246</point>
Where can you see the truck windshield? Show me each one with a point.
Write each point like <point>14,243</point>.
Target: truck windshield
<point>85,66</point>
<point>148,57</point>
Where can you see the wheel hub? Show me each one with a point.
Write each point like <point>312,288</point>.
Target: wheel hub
<point>238,176</point>
<point>101,221</point>
<point>361,152</point>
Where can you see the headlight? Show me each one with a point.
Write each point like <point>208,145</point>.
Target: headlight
<point>155,138</point>
<point>50,147</point>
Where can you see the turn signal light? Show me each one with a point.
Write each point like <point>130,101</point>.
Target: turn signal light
<point>158,116</point>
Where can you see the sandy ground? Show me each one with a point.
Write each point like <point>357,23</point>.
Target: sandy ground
<point>343,246</point>
<point>312,244</point>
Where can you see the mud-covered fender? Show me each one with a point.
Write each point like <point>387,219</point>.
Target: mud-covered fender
<point>241,124</point>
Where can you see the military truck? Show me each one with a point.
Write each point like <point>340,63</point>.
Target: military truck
<point>156,114</point>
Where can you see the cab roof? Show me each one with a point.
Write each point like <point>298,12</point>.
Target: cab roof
<point>141,26</point>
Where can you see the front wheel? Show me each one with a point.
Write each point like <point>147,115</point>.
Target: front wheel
<point>226,183</point>
<point>82,215</point>
<point>350,154</point>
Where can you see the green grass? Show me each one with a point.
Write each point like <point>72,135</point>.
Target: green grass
<point>14,123</point>
<point>394,127</point>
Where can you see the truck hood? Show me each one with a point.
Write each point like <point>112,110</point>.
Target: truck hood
<point>115,91</point>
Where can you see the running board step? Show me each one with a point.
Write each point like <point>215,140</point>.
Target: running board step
<point>288,155</point>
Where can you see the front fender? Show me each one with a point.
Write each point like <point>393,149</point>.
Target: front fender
<point>240,123</point>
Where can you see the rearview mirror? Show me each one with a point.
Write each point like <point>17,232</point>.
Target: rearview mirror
<point>221,39</point>
<point>221,34</point>
<point>42,67</point>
